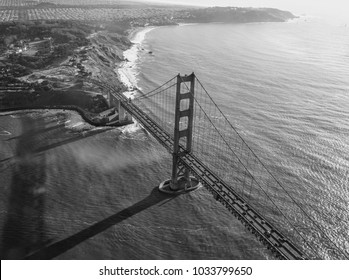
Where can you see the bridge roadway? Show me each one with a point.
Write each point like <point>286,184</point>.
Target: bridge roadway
<point>264,231</point>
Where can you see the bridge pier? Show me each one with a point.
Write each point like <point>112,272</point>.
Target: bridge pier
<point>110,100</point>
<point>122,115</point>
<point>181,181</point>
<point>121,111</point>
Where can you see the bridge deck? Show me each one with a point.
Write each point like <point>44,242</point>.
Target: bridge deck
<point>264,231</point>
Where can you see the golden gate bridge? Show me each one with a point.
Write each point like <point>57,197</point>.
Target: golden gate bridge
<point>208,150</point>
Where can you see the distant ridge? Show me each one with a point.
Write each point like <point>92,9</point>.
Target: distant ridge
<point>239,15</point>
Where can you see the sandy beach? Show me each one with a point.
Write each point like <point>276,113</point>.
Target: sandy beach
<point>127,70</point>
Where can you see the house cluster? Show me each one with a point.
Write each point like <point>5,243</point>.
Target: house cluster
<point>154,16</point>
<point>19,46</point>
<point>9,15</point>
<point>17,3</point>
<point>29,48</point>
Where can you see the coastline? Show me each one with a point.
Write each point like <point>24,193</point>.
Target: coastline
<point>77,109</point>
<point>127,71</point>
<point>74,118</point>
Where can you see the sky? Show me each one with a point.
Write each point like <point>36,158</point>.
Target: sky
<point>332,8</point>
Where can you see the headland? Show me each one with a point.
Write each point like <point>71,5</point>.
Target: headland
<point>49,59</point>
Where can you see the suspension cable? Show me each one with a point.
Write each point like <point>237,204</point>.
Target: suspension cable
<point>225,141</point>
<point>264,166</point>
<point>154,93</point>
<point>154,90</point>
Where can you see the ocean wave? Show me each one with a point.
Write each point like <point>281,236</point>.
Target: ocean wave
<point>128,72</point>
<point>134,131</point>
<point>5,133</point>
<point>139,36</point>
<point>187,24</point>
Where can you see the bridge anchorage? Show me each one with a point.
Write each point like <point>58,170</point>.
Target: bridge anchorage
<point>181,181</point>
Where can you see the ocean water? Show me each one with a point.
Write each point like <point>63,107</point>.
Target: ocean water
<point>71,191</point>
<point>285,87</point>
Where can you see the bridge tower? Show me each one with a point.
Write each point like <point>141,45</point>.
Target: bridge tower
<point>181,181</point>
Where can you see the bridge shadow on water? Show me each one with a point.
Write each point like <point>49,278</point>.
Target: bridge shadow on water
<point>24,228</point>
<point>58,248</point>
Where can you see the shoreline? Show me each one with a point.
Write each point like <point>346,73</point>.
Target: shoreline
<point>126,77</point>
<point>77,109</point>
<point>127,70</point>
